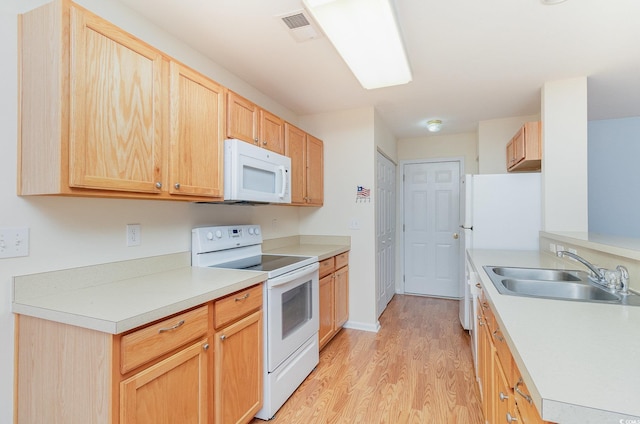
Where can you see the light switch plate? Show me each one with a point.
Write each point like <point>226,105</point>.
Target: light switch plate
<point>14,242</point>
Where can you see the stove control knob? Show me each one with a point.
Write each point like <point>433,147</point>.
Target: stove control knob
<point>251,230</point>
<point>257,231</point>
<point>218,234</point>
<point>209,235</point>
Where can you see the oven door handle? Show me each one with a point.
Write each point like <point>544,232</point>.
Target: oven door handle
<point>287,278</point>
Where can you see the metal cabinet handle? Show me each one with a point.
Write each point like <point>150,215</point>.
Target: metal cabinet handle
<point>177,186</point>
<point>511,418</point>
<point>223,337</point>
<point>499,337</point>
<point>478,285</point>
<point>480,322</point>
<point>205,346</point>
<point>240,299</point>
<point>455,236</point>
<point>520,392</point>
<point>158,184</point>
<point>264,143</point>
<point>503,397</point>
<point>178,325</point>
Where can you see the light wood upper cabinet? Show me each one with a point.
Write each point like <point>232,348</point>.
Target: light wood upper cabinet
<point>248,122</point>
<point>524,150</point>
<point>99,108</point>
<point>242,118</point>
<point>315,171</point>
<point>115,135</point>
<point>196,133</point>
<point>307,166</point>
<point>271,132</point>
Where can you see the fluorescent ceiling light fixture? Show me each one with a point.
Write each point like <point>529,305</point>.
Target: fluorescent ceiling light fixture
<point>366,35</point>
<point>434,125</point>
<point>550,2</point>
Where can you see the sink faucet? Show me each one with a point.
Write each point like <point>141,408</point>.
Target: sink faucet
<point>616,281</point>
<point>598,273</point>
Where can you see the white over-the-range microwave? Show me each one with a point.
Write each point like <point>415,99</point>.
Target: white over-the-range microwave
<point>255,175</point>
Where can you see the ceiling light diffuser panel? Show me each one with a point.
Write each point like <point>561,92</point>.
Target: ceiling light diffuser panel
<point>365,33</point>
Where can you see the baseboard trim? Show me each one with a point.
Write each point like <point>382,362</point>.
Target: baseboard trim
<point>354,325</point>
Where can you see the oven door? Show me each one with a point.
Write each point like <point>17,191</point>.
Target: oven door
<point>292,312</point>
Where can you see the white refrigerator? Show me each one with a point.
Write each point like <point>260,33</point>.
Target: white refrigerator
<point>499,211</point>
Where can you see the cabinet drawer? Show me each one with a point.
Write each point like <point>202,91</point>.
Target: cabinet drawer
<point>326,267</point>
<point>504,354</point>
<point>342,260</point>
<point>237,305</point>
<point>526,407</point>
<point>157,339</point>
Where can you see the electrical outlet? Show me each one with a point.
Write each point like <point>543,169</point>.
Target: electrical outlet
<point>552,247</point>
<point>14,242</point>
<point>559,248</point>
<point>133,235</point>
<point>354,224</point>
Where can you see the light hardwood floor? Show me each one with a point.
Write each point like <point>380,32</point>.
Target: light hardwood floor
<point>417,369</point>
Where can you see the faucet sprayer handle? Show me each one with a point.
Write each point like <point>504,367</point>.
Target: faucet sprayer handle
<point>624,279</point>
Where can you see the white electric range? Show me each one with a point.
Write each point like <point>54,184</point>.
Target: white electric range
<point>291,304</point>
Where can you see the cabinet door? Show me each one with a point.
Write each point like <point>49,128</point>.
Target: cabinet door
<point>171,391</point>
<point>242,118</point>
<point>115,131</point>
<point>326,309</point>
<point>341,296</point>
<point>238,371</point>
<point>196,132</point>
<point>295,147</point>
<point>271,132</point>
<point>519,146</point>
<point>315,171</point>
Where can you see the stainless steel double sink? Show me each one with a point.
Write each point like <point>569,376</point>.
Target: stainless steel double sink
<point>554,284</point>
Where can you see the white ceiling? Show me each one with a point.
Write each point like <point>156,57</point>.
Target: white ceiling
<point>472,60</point>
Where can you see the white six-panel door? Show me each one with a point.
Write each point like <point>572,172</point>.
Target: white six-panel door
<point>385,232</point>
<point>431,219</point>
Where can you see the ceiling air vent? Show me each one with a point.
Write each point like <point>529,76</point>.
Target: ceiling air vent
<point>300,26</point>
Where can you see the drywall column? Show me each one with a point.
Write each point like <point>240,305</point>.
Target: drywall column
<point>564,155</point>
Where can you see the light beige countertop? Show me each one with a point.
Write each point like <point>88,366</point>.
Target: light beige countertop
<point>120,296</point>
<point>580,360</point>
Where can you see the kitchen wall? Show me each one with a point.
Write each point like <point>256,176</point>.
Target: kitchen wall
<point>73,232</point>
<point>493,136</point>
<point>614,146</point>
<point>350,148</point>
<point>442,146</point>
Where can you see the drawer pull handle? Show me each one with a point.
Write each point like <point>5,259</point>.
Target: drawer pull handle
<point>178,325</point>
<point>480,322</point>
<point>223,337</point>
<point>478,285</point>
<point>521,393</point>
<point>240,299</point>
<point>511,418</point>
<point>503,397</point>
<point>498,336</point>
<point>206,346</point>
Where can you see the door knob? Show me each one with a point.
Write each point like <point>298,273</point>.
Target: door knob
<point>455,236</point>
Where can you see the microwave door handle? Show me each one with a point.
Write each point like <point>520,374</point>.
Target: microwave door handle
<point>283,170</point>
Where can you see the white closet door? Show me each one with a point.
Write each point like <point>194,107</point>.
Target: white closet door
<point>385,231</point>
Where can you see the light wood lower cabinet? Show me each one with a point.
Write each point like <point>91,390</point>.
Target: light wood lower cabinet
<point>171,391</point>
<point>238,357</point>
<point>505,398</point>
<point>334,296</point>
<point>200,366</point>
